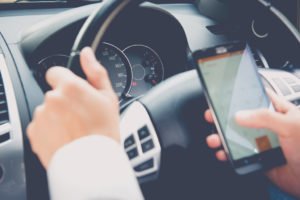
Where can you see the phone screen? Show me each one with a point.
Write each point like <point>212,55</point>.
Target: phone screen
<point>232,83</point>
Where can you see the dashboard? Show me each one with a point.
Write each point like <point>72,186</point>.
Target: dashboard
<point>138,53</point>
<point>133,71</point>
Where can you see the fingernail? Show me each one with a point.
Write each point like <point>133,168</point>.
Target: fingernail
<point>243,115</point>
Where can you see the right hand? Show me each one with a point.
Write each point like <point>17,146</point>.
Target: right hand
<point>285,122</point>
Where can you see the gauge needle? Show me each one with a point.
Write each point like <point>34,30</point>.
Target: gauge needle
<point>128,96</point>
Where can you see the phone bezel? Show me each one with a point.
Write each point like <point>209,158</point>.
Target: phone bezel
<point>261,161</point>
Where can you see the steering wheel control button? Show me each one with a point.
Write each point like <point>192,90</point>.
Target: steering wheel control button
<point>289,80</point>
<point>145,152</point>
<point>129,142</point>
<point>144,166</point>
<point>132,153</point>
<point>281,86</point>
<point>147,146</point>
<point>143,132</point>
<point>296,88</point>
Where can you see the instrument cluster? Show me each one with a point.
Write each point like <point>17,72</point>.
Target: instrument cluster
<point>133,70</point>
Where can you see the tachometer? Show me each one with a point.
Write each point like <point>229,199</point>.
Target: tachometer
<point>44,64</point>
<point>147,69</point>
<point>118,67</point>
<point>50,61</point>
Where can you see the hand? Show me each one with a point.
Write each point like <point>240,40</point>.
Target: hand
<point>285,122</point>
<point>74,108</point>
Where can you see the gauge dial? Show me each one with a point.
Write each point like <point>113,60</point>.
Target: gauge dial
<point>50,61</point>
<point>118,68</point>
<point>46,63</point>
<point>147,69</point>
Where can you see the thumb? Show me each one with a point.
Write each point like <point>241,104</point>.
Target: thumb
<point>96,74</point>
<point>262,119</point>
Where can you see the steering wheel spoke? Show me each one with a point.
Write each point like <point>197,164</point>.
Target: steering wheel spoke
<point>140,142</point>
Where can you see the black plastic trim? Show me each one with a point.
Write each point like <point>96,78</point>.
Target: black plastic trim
<point>36,179</point>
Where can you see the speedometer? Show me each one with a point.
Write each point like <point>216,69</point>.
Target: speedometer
<point>147,69</point>
<point>118,67</point>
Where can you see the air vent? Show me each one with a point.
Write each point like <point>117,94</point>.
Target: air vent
<point>223,29</point>
<point>217,29</point>
<point>4,118</point>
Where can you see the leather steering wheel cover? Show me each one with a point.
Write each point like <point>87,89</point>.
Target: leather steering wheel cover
<point>95,27</point>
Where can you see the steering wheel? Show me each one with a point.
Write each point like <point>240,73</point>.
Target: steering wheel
<point>164,132</point>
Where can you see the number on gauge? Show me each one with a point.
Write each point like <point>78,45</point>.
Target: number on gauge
<point>117,66</point>
<point>147,69</point>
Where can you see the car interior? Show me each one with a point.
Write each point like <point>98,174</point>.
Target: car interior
<point>146,47</point>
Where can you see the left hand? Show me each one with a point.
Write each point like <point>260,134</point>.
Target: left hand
<point>74,108</point>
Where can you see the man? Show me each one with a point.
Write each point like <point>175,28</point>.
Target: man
<point>75,134</point>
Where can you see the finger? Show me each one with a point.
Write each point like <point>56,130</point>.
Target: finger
<point>29,131</point>
<point>262,119</point>
<point>96,74</point>
<point>280,104</point>
<point>214,141</point>
<point>221,155</point>
<point>56,76</point>
<point>38,112</point>
<point>208,116</point>
<point>55,100</point>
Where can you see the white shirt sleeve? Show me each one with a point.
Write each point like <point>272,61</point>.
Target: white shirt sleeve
<point>92,167</point>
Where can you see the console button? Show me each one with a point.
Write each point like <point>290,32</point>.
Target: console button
<point>282,87</point>
<point>132,153</point>
<point>296,88</point>
<point>143,132</point>
<point>146,146</point>
<point>289,80</point>
<point>129,141</point>
<point>144,166</point>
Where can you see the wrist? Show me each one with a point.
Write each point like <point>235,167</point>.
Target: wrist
<point>78,144</point>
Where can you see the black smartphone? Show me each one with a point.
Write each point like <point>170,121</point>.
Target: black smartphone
<point>231,82</point>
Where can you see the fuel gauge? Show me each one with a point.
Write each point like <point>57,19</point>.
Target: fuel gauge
<point>147,69</point>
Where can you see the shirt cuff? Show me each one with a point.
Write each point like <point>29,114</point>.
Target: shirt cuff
<point>92,167</point>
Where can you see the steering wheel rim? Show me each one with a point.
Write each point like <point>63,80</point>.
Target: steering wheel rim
<point>94,28</point>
